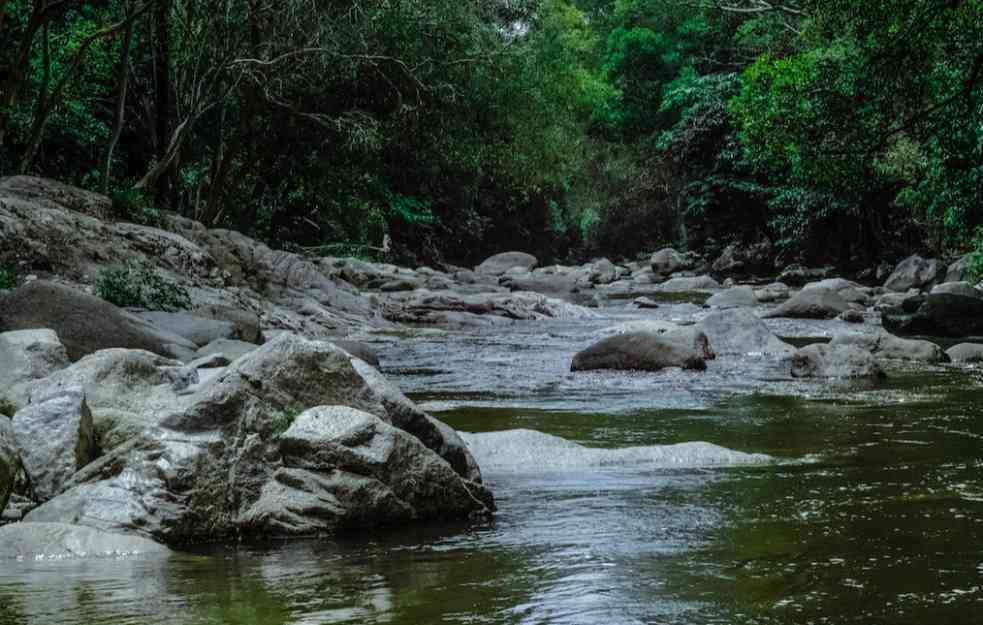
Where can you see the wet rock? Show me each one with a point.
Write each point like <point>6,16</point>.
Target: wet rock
<point>851,316</point>
<point>912,272</point>
<point>602,271</point>
<point>645,303</point>
<point>229,348</point>
<point>359,350</point>
<point>689,284</point>
<point>56,438</point>
<point>644,351</point>
<point>437,308</point>
<point>957,288</point>
<point>812,304</point>
<point>500,263</point>
<point>772,292</point>
<point>199,472</point>
<point>346,468</point>
<point>736,297</point>
<point>566,287</point>
<point>85,324</point>
<point>940,314</point>
<point>835,361</point>
<point>26,356</point>
<point>897,302</point>
<point>966,352</point>
<point>199,330</point>
<point>886,345</point>
<point>58,541</point>
<point>741,332</point>
<point>9,461</point>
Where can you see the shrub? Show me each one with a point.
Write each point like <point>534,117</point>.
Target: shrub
<point>282,421</point>
<point>131,204</point>
<point>7,407</point>
<point>138,284</point>
<point>8,279</point>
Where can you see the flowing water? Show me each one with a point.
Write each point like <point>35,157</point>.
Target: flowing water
<point>868,509</point>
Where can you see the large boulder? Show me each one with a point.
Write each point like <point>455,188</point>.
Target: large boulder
<point>834,361</point>
<point>85,324</point>
<point>229,348</point>
<point>965,352</point>
<point>735,297</point>
<point>60,541</point>
<point>886,345</point>
<point>27,356</point>
<point>215,465</point>
<point>56,438</point>
<point>199,330</point>
<point>741,332</point>
<point>957,288</point>
<point>499,264</point>
<point>745,259</point>
<point>940,314</point>
<point>668,261</point>
<point>359,350</point>
<point>687,348</point>
<point>812,304</point>
<point>913,272</point>
<point>689,285</point>
<point>444,307</point>
<point>9,461</point>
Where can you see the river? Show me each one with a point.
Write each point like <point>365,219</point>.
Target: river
<point>868,509</point>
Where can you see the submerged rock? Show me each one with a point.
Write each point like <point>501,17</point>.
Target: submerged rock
<point>687,348</point>
<point>835,361</point>
<point>59,541</point>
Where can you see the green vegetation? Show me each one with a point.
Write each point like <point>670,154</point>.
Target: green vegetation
<point>449,129</point>
<point>8,279</point>
<point>140,285</point>
<point>7,407</point>
<point>281,422</point>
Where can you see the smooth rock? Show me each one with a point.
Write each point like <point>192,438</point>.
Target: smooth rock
<point>645,303</point>
<point>56,438</point>
<point>736,297</point>
<point>643,351</point>
<point>60,541</point>
<point>689,284</point>
<point>741,332</point>
<point>959,270</point>
<point>886,345</point>
<point>199,330</point>
<point>811,304</point>
<point>772,292</point>
<point>230,348</point>
<point>957,288</point>
<point>940,314</point>
<point>966,352</point>
<point>500,263</point>
<point>834,361</point>
<point>9,461</point>
<point>912,272</point>
<point>359,350</point>
<point>26,356</point>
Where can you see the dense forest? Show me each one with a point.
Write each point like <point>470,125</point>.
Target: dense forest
<point>827,131</point>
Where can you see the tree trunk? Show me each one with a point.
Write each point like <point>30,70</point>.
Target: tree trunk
<point>162,90</point>
<point>123,77</point>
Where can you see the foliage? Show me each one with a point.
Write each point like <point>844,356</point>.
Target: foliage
<point>8,279</point>
<point>281,422</point>
<point>140,285</point>
<point>7,407</point>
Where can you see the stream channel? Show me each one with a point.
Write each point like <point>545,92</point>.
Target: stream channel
<point>868,507</point>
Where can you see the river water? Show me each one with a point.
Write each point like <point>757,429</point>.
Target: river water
<point>868,508</point>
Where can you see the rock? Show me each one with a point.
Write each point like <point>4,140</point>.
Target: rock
<point>359,350</point>
<point>58,541</point>
<point>885,345</point>
<point>644,351</point>
<point>52,194</point>
<point>966,352</point>
<point>402,284</point>
<point>772,293</point>
<point>346,468</point>
<point>213,465</point>
<point>851,316</point>
<point>9,461</point>
<point>959,270</point>
<point>559,286</point>
<point>897,302</point>
<point>500,263</point>
<point>912,272</point>
<point>56,439</point>
<point>26,356</point>
<point>667,261</point>
<point>688,285</point>
<point>835,361</point>
<point>957,288</point>
<point>246,326</point>
<point>645,303</point>
<point>84,323</point>
<point>199,330</point>
<point>229,348</point>
<point>745,259</point>
<point>811,304</point>
<point>602,271</point>
<point>736,297</point>
<point>741,332</point>
<point>212,361</point>
<point>432,308</point>
<point>797,275</point>
<point>940,314</point>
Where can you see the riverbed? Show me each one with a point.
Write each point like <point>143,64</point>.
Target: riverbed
<point>849,503</point>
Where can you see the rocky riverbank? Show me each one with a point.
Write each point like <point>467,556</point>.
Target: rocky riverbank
<point>259,410</point>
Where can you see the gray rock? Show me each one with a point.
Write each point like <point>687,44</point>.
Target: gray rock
<point>940,314</point>
<point>645,303</point>
<point>199,330</point>
<point>246,325</point>
<point>402,284</point>
<point>500,263</point>
<point>689,284</point>
<point>797,275</point>
<point>885,345</point>
<point>56,438</point>
<point>835,361</point>
<point>200,472</point>
<point>772,292</point>
<point>52,194</point>
<point>912,272</point>
<point>959,270</point>
<point>745,258</point>
<point>966,352</point>
<point>436,308</point>
<point>602,271</point>
<point>229,348</point>
<point>741,332</point>
<point>26,356</point>
<point>212,361</point>
<point>687,348</point>
<point>736,297</point>
<point>85,324</point>
<point>359,350</point>
<point>9,461</point>
<point>58,541</point>
<point>667,261</point>
<point>811,304</point>
<point>957,288</point>
<point>851,316</point>
<point>898,301</point>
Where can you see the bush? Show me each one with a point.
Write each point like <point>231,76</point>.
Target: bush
<point>138,284</point>
<point>7,407</point>
<point>8,279</point>
<point>131,204</point>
